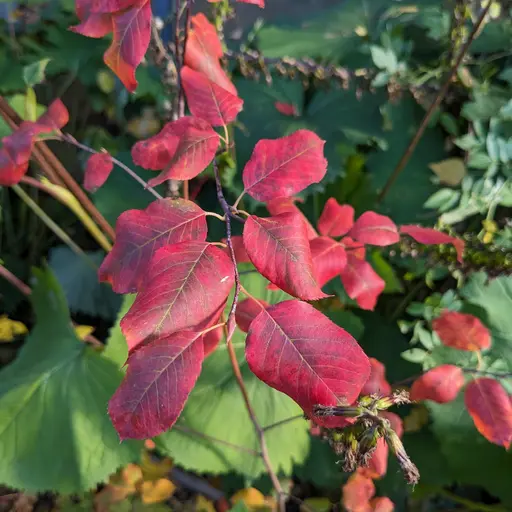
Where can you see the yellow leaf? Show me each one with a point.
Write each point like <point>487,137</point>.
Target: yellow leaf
<point>9,329</point>
<point>318,504</point>
<point>204,505</point>
<point>82,331</point>
<point>154,469</point>
<point>106,81</point>
<point>158,491</point>
<point>450,171</point>
<point>252,498</point>
<point>120,486</point>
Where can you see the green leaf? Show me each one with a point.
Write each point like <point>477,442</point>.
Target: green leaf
<point>348,321</point>
<point>55,433</point>
<point>17,102</point>
<point>215,408</point>
<point>33,74</point>
<point>386,271</point>
<point>384,58</point>
<point>78,277</point>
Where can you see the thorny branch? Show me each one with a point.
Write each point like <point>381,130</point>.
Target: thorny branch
<point>400,166</point>
<point>229,329</point>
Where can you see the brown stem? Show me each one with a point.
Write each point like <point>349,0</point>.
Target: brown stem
<point>48,160</point>
<point>400,166</point>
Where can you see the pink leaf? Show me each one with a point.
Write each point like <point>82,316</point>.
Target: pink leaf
<point>336,219</point>
<point>259,3</point>
<point>462,331</point>
<point>287,109</point>
<point>15,155</point>
<point>92,24</point>
<point>285,166</point>
<point>382,504</point>
<point>97,170</point>
<point>378,463</point>
<point>287,205</point>
<point>428,236</point>
<point>396,422</point>
<point>357,493</point>
<point>491,409</point>
<point>372,228</point>
<point>111,6</point>
<point>238,246</point>
<point>159,379</point>
<point>55,118</point>
<point>132,31</point>
<point>185,284</point>
<point>329,258</point>
<point>157,151</point>
<point>441,384</point>
<point>297,350</point>
<point>361,282</point>
<point>279,248</point>
<point>141,232</point>
<point>208,100</point>
<point>376,383</point>
<point>247,311</point>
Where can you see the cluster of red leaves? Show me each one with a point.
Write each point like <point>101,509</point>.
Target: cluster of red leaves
<point>130,23</point>
<point>358,496</point>
<point>17,147</point>
<point>486,400</point>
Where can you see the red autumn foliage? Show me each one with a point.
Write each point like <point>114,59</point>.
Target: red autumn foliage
<point>491,409</point>
<point>287,205</point>
<point>247,311</point>
<point>292,342</point>
<point>378,463</point>
<point>336,219</point>
<point>462,331</point>
<point>287,109</point>
<point>376,383</point>
<point>374,229</point>
<point>382,504</point>
<point>97,170</point>
<point>441,384</point>
<point>279,248</point>
<point>357,493</point>
<point>329,258</point>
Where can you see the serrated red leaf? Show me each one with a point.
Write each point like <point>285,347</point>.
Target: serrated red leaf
<point>361,282</point>
<point>490,408</point>
<point>376,383</point>
<point>336,219</point>
<point>279,248</point>
<point>357,493</point>
<point>198,143</point>
<point>186,283</point>
<point>374,229</point>
<point>378,463</point>
<point>287,109</point>
<point>97,170</point>
<point>208,100</point>
<point>204,50</point>
<point>329,258</point>
<point>297,350</point>
<point>287,205</point>
<point>283,167</point>
<point>382,504</point>
<point>139,233</point>
<point>132,32</point>
<point>441,384</point>
<point>159,379</point>
<point>428,236</point>
<point>462,331</point>
<point>247,311</point>
<point>92,24</point>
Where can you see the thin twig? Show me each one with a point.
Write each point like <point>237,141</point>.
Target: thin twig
<point>17,283</point>
<point>433,107</point>
<point>66,137</point>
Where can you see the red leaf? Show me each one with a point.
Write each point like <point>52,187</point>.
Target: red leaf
<point>462,331</point>
<point>376,383</point>
<point>283,167</point>
<point>287,205</point>
<point>159,379</point>
<point>357,493</point>
<point>428,236</point>
<point>139,233</point>
<point>92,24</point>
<point>197,146</point>
<point>55,117</point>
<point>204,50</point>
<point>14,156</point>
<point>382,504</point>
<point>97,170</point>
<point>395,421</point>
<point>238,246</point>
<point>491,409</point>
<point>378,463</point>
<point>211,338</point>
<point>287,109</point>
<point>208,100</point>
<point>279,248</point>
<point>132,31</point>
<point>441,384</point>
<point>372,228</point>
<point>110,6</point>
<point>297,350</point>
<point>355,248</point>
<point>361,282</point>
<point>336,219</point>
<point>329,258</point>
<point>157,151</point>
<point>247,311</point>
<point>259,3</point>
<point>10,173</point>
<point>185,284</point>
